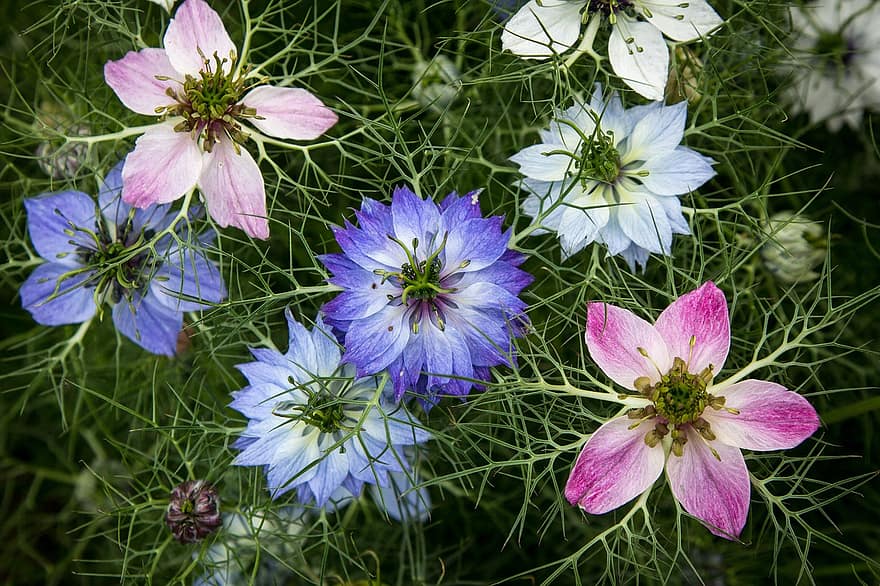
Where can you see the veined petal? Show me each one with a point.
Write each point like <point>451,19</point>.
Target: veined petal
<point>769,417</point>
<point>147,324</point>
<point>415,218</point>
<point>53,220</point>
<point>639,56</point>
<point>681,21</point>
<point>714,490</point>
<point>614,467</point>
<point>677,172</point>
<point>195,34</point>
<point>643,220</point>
<point>534,162</point>
<point>54,302</point>
<point>374,342</point>
<point>187,275</point>
<point>700,315</point>
<point>539,31</point>
<point>659,131</point>
<point>234,191</point>
<point>163,166</point>
<point>614,337</point>
<point>289,112</point>
<point>134,80</point>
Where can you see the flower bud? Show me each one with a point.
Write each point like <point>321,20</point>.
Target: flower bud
<point>194,511</point>
<point>436,83</point>
<point>56,158</point>
<point>795,246</point>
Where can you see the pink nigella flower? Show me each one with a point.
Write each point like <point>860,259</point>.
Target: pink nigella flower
<point>685,422</point>
<point>204,100</point>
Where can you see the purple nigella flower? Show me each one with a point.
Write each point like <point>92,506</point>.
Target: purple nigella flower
<point>113,253</point>
<point>429,292</point>
<point>314,426</point>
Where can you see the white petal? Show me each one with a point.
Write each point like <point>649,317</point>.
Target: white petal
<point>682,21</point>
<point>644,221</point>
<point>659,131</point>
<point>643,63</point>
<point>677,172</point>
<point>535,162</point>
<point>537,32</point>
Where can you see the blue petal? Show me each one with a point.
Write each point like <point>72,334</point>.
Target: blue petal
<point>458,209</point>
<point>415,218</point>
<point>72,303</point>
<point>374,342</point>
<point>52,223</point>
<point>474,243</point>
<point>150,325</point>
<point>187,275</point>
<point>401,500</point>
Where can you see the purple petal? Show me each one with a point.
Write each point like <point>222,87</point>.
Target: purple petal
<point>52,222</point>
<point>769,417</point>
<point>614,467</point>
<point>614,337</point>
<point>372,343</point>
<point>163,166</point>
<point>475,243</point>
<point>289,112</point>
<point>70,303</point>
<point>149,325</point>
<point>701,316</point>
<point>195,34</point>
<point>415,218</point>
<point>714,490</point>
<point>133,78</point>
<point>184,276</point>
<point>234,191</point>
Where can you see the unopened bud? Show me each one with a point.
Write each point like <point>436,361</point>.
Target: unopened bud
<point>193,511</point>
<point>436,83</point>
<point>795,246</point>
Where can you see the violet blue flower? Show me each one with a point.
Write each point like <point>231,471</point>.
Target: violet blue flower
<point>429,293</point>
<point>204,97</point>
<point>682,420</point>
<point>313,426</point>
<point>108,252</point>
<point>609,175</point>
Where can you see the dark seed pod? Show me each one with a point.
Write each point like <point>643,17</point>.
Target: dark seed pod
<point>194,511</point>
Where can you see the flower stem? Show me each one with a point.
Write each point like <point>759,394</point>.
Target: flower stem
<point>586,44</point>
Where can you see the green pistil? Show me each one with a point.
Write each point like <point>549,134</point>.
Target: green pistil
<point>834,48</point>
<point>598,159</point>
<point>323,411</point>
<point>420,279</point>
<point>209,104</point>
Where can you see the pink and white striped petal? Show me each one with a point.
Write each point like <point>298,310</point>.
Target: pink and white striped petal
<point>133,78</point>
<point>702,315</point>
<point>163,166</point>
<point>614,467</point>
<point>291,113</point>
<point>614,336</point>
<point>712,490</point>
<point>234,191</point>
<point>194,34</point>
<point>770,417</point>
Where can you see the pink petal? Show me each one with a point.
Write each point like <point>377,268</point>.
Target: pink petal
<point>289,112</point>
<point>701,314</point>
<point>614,336</point>
<point>194,34</point>
<point>615,466</point>
<point>233,188</point>
<point>716,492</point>
<point>770,417</point>
<point>163,166</point>
<point>133,78</point>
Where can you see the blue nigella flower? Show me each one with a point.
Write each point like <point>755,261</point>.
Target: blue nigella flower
<point>314,426</point>
<point>429,293</point>
<point>602,173</point>
<point>112,253</point>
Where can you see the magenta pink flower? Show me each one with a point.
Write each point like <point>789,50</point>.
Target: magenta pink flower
<point>685,422</point>
<point>204,101</point>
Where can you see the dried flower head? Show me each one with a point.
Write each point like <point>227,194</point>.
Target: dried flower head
<point>194,511</point>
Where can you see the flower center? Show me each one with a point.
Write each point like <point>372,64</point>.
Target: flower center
<point>599,160</point>
<point>323,410</point>
<point>609,6</point>
<point>420,280</point>
<point>835,49</point>
<point>209,103</point>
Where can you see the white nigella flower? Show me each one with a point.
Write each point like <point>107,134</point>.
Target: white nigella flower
<point>795,246</point>
<point>636,49</point>
<point>837,73</point>
<point>609,175</point>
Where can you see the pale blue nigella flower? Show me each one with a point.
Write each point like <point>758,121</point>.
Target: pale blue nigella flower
<point>109,252</point>
<point>315,427</point>
<point>429,293</point>
<point>609,175</point>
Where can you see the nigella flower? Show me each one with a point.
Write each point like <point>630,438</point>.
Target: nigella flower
<point>313,426</point>
<point>837,74</point>
<point>136,260</point>
<point>609,175</point>
<point>205,99</point>
<point>684,421</point>
<point>193,511</point>
<point>429,292</point>
<point>636,49</point>
<point>795,246</point>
